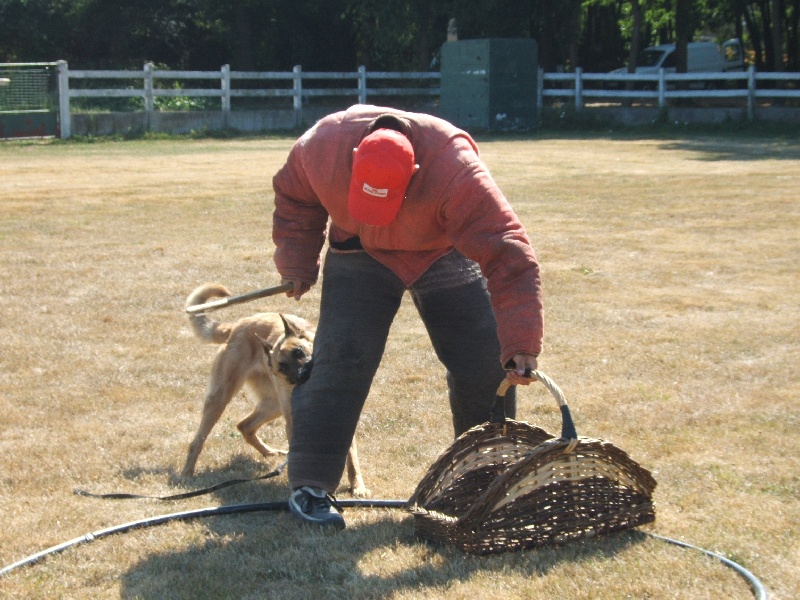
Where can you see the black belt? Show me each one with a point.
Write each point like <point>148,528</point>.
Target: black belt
<point>353,243</point>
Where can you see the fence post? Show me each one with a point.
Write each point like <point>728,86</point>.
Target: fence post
<point>362,84</point>
<point>751,92</point>
<point>225,85</point>
<point>149,100</point>
<point>298,95</point>
<point>662,89</point>
<point>63,100</point>
<point>578,88</point>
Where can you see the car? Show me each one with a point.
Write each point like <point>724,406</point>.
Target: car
<point>702,56</point>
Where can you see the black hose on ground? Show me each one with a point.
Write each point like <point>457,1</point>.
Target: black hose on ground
<point>185,516</point>
<point>758,590</point>
<point>755,585</point>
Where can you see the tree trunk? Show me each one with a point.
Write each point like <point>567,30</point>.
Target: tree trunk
<point>766,33</point>
<point>575,27</point>
<point>777,35</point>
<point>682,34</point>
<point>755,38</point>
<point>243,41</point>
<point>636,35</point>
<point>793,39</point>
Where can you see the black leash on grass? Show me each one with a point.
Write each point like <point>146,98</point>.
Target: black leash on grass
<point>759,592</point>
<point>274,473</point>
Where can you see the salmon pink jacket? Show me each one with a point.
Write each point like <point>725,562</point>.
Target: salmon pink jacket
<point>451,202</point>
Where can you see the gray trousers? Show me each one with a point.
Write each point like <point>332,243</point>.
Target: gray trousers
<point>360,298</point>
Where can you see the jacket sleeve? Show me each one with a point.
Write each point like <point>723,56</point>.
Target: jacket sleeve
<point>483,226</point>
<point>298,222</point>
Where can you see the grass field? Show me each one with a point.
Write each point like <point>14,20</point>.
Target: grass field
<point>672,293</point>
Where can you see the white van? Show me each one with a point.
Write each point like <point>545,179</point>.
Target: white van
<point>702,57</point>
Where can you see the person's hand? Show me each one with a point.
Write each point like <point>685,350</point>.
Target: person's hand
<point>300,288</point>
<point>523,363</point>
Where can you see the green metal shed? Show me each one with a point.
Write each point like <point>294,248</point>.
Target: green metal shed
<point>490,84</point>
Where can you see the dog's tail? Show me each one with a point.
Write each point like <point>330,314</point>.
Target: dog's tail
<point>205,328</point>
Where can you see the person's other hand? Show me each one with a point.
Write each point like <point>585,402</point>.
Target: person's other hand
<point>523,363</point>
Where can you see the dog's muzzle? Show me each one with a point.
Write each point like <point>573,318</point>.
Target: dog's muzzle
<point>305,372</point>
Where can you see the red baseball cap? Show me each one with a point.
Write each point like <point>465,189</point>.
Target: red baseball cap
<point>383,165</point>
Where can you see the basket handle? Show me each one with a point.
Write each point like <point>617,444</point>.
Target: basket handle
<point>498,414</point>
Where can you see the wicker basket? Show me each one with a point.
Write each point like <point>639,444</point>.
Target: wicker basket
<point>507,485</point>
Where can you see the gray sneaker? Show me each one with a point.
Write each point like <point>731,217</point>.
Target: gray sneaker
<point>315,506</point>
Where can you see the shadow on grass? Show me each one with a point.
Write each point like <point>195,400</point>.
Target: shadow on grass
<point>717,149</point>
<point>269,555</point>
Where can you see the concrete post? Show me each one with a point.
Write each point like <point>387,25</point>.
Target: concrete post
<point>149,100</point>
<point>362,84</point>
<point>225,85</point>
<point>65,124</point>
<point>578,88</point>
<point>751,92</point>
<point>298,95</point>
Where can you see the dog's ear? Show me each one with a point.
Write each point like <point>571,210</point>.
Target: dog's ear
<point>289,329</point>
<point>267,348</point>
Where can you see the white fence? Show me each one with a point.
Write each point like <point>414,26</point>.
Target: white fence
<point>294,87</point>
<point>748,86</point>
<point>578,88</point>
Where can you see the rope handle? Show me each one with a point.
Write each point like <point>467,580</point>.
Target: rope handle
<point>498,414</point>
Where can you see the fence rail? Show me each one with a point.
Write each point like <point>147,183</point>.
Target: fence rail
<point>749,86</point>
<point>578,88</point>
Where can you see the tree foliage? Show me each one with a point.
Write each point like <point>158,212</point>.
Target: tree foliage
<point>597,35</point>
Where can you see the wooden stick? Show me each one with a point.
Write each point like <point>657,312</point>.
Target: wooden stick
<point>215,304</point>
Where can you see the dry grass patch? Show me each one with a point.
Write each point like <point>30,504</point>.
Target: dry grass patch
<point>673,326</point>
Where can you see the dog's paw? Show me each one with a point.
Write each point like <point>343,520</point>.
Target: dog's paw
<point>269,452</point>
<point>360,491</point>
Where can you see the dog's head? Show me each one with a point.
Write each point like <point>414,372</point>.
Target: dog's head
<point>290,356</point>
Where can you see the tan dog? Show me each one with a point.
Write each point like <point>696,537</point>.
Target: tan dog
<point>266,354</point>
